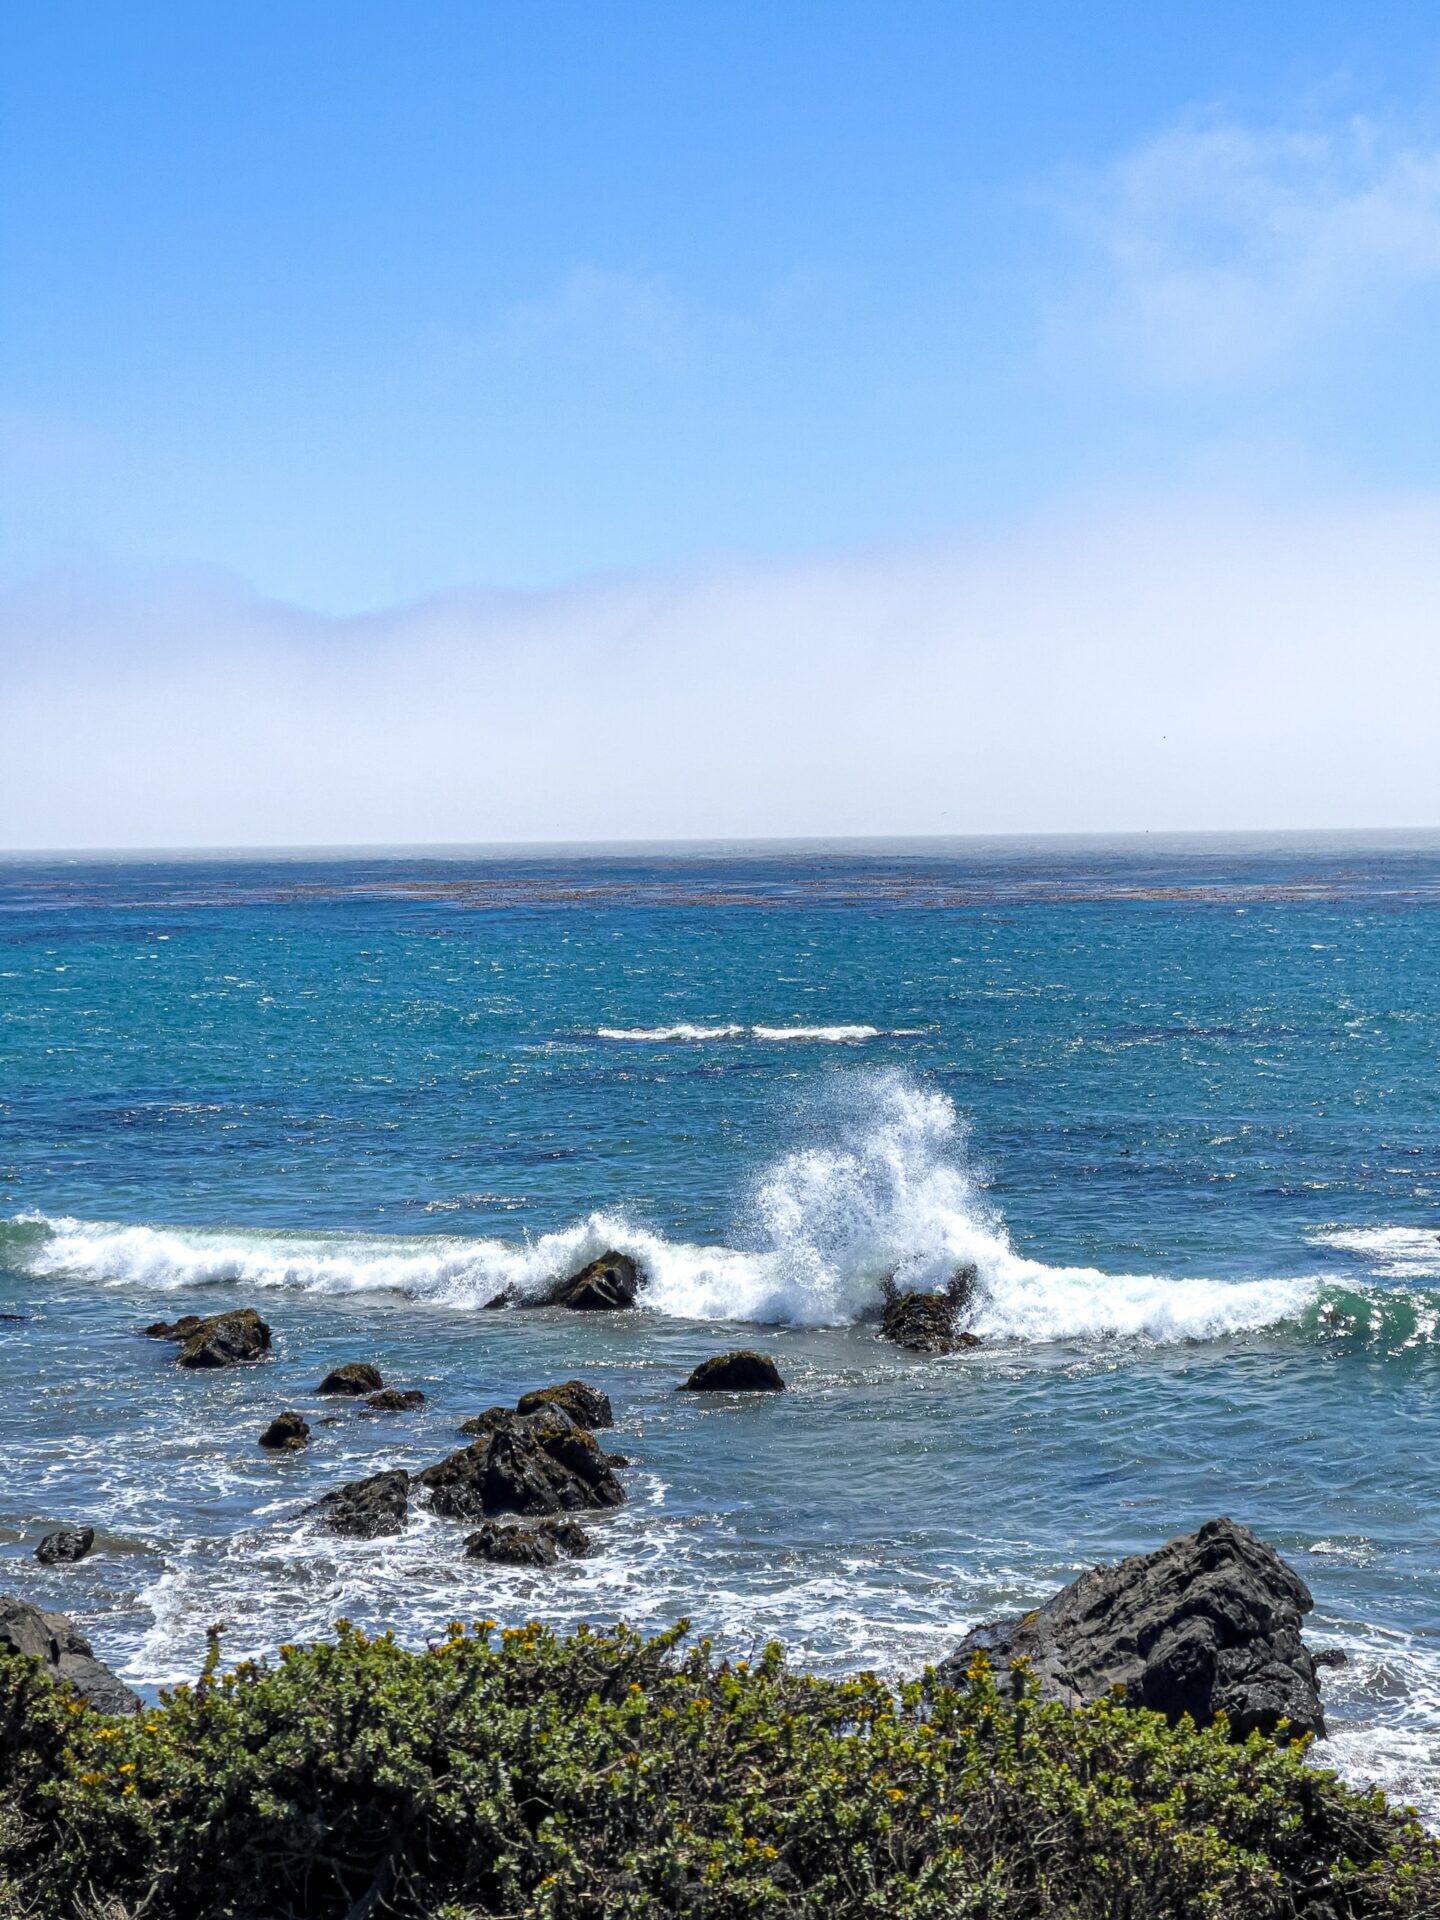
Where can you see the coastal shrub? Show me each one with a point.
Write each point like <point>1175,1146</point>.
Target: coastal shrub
<point>547,1777</point>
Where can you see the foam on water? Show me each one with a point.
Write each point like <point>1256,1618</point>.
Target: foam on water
<point>1396,1253</point>
<point>686,1030</point>
<point>884,1189</point>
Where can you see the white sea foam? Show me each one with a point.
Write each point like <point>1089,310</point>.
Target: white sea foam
<point>1393,1253</point>
<point>885,1188</point>
<point>686,1030</point>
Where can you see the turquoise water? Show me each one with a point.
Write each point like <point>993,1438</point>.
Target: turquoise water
<point>1179,1102</point>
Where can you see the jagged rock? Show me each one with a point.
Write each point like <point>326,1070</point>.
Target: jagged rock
<point>367,1508</point>
<point>930,1322</point>
<point>395,1400</point>
<point>511,1544</point>
<point>356,1378</point>
<point>55,1639</point>
<point>286,1433</point>
<point>507,1297</point>
<point>490,1421</point>
<point>524,1463</point>
<point>586,1405</point>
<point>224,1340</point>
<point>605,1286</point>
<point>739,1372</point>
<point>180,1329</point>
<point>1209,1623</point>
<point>66,1543</point>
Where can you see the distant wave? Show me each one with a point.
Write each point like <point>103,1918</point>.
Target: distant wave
<point>885,1189</point>
<point>686,1030</point>
<point>1396,1253</point>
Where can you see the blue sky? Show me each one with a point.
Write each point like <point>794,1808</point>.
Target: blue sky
<point>310,313</point>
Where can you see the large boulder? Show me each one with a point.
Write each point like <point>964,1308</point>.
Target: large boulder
<point>930,1322</point>
<point>355,1378</point>
<point>396,1400</point>
<point>66,1543</point>
<point>586,1405</point>
<point>1208,1624</point>
<point>287,1433</point>
<point>535,1463</point>
<point>224,1340</point>
<point>738,1372</point>
<point>55,1639</point>
<point>364,1509</point>
<point>510,1543</point>
<point>606,1286</point>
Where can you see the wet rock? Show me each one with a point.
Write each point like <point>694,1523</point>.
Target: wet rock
<point>930,1322</point>
<point>66,1543</point>
<point>535,1463</point>
<point>356,1378</point>
<point>511,1544</point>
<point>396,1400</point>
<point>739,1372</point>
<point>490,1421</point>
<point>364,1509</point>
<point>180,1329</point>
<point>286,1433</point>
<point>225,1340</point>
<point>586,1405</point>
<point>606,1286</point>
<point>55,1639</point>
<point>1209,1624</point>
<point>507,1297</point>
<point>1331,1657</point>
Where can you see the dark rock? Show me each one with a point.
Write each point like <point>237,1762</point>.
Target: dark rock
<point>490,1421</point>
<point>367,1508</point>
<point>180,1329</point>
<point>533,1463</point>
<point>396,1400</point>
<point>14,1319</point>
<point>66,1543</point>
<point>510,1544</point>
<point>738,1372</point>
<point>606,1286</point>
<point>59,1643</point>
<point>1331,1657</point>
<point>586,1406</point>
<point>617,1460</point>
<point>507,1297</point>
<point>1208,1624</point>
<point>286,1433</point>
<point>225,1340</point>
<point>354,1379</point>
<point>930,1322</point>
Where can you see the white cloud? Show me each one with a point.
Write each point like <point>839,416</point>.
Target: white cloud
<point>1217,251</point>
<point>1177,665</point>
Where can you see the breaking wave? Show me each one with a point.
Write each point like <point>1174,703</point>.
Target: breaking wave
<point>686,1030</point>
<point>885,1188</point>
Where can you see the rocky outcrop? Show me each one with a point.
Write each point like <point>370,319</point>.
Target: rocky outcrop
<point>531,1463</point>
<point>55,1639</point>
<point>508,1543</point>
<point>739,1372</point>
<point>286,1433</point>
<point>586,1405</point>
<point>365,1509</point>
<point>232,1339</point>
<point>66,1543</point>
<point>607,1285</point>
<point>490,1421</point>
<point>930,1322</point>
<point>1209,1624</point>
<point>396,1400</point>
<point>354,1379</point>
<point>180,1329</point>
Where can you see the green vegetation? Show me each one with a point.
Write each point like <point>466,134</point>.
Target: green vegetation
<point>524,1774</point>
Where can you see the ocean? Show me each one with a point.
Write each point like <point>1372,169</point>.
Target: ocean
<point>1178,1101</point>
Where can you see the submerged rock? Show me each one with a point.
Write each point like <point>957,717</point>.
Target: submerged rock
<point>396,1400</point>
<point>58,1642</point>
<point>532,1463</point>
<point>365,1509</point>
<point>509,1543</point>
<point>224,1340</point>
<point>286,1433</point>
<point>1208,1624</point>
<point>742,1371</point>
<point>586,1405</point>
<point>66,1543</point>
<point>930,1322</point>
<point>354,1379</point>
<point>607,1285</point>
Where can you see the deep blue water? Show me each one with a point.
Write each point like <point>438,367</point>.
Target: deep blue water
<point>1178,1100</point>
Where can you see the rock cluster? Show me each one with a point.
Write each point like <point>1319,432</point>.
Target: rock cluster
<point>55,1639</point>
<point>742,1371</point>
<point>365,1509</point>
<point>528,1463</point>
<point>508,1543</point>
<point>1208,1624</point>
<point>223,1340</point>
